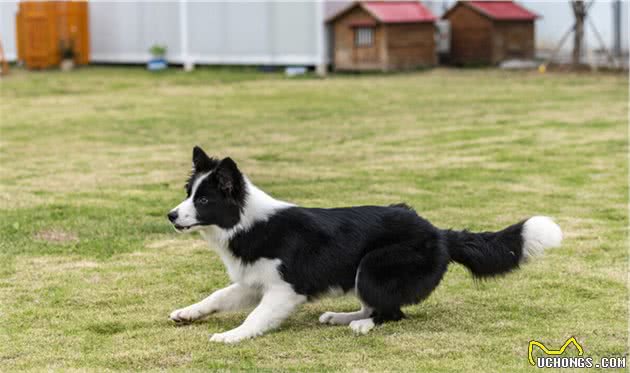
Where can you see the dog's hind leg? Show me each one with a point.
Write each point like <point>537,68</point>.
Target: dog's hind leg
<point>394,276</point>
<point>345,318</point>
<point>232,298</point>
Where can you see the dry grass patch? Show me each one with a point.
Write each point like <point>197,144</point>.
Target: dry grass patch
<point>55,235</point>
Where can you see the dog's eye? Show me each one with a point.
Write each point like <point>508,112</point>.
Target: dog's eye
<point>203,200</point>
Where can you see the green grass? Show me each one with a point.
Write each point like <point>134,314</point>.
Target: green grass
<point>92,160</point>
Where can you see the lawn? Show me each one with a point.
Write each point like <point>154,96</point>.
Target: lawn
<point>92,160</point>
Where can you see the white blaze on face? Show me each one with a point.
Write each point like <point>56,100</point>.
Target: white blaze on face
<point>186,211</point>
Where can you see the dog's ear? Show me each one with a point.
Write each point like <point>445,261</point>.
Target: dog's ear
<point>230,179</point>
<point>201,161</point>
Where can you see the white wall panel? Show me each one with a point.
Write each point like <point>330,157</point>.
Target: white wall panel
<point>230,32</point>
<point>293,28</point>
<point>7,28</point>
<point>247,29</point>
<point>124,31</point>
<point>207,26</point>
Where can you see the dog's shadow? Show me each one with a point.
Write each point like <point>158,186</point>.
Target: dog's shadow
<point>218,321</point>
<point>109,328</point>
<point>303,320</point>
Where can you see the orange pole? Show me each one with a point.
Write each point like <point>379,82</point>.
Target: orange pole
<point>3,60</point>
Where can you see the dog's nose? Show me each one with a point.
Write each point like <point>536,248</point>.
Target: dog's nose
<point>172,216</point>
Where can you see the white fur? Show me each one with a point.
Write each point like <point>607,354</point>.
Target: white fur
<point>260,280</point>
<point>232,298</point>
<point>278,302</point>
<point>362,326</point>
<point>197,182</point>
<point>186,211</point>
<point>539,233</point>
<point>345,318</point>
<point>259,206</point>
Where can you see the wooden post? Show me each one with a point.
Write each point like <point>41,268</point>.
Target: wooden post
<point>616,10</point>
<point>579,11</point>
<point>383,51</point>
<point>3,60</point>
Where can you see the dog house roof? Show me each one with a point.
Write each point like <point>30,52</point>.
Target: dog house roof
<point>502,10</point>
<point>392,11</point>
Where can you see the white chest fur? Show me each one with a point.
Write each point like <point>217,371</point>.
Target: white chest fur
<point>261,273</point>
<point>258,207</point>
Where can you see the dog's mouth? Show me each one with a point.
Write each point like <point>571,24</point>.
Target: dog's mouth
<point>184,228</point>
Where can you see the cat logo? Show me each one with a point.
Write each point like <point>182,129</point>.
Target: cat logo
<point>552,352</point>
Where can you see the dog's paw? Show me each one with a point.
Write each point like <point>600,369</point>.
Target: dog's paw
<point>362,326</point>
<point>231,336</point>
<point>327,317</point>
<point>335,318</point>
<point>185,315</point>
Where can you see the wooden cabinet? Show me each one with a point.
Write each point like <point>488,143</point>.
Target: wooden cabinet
<point>43,28</point>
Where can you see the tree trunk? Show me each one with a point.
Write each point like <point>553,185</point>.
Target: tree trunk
<point>579,11</point>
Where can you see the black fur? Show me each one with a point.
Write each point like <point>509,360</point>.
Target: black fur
<point>201,164</point>
<point>389,254</point>
<point>220,197</point>
<point>400,257</point>
<point>488,253</point>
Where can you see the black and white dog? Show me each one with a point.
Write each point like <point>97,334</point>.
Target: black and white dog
<point>279,255</point>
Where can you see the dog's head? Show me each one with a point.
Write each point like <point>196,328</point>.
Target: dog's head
<point>215,191</point>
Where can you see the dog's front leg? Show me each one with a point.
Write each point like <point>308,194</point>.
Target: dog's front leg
<point>277,303</point>
<point>232,298</point>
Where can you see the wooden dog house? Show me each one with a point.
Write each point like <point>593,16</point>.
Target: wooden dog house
<point>383,35</point>
<point>489,32</point>
<point>44,28</point>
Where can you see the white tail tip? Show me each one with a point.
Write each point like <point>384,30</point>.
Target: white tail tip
<point>539,233</point>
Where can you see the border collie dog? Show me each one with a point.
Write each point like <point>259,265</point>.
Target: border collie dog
<point>279,255</point>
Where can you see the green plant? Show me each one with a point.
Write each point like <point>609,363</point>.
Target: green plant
<point>157,50</point>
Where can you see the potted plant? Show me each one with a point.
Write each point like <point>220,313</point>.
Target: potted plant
<point>67,56</point>
<point>157,61</point>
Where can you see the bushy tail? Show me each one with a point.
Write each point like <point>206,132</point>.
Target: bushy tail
<point>493,253</point>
